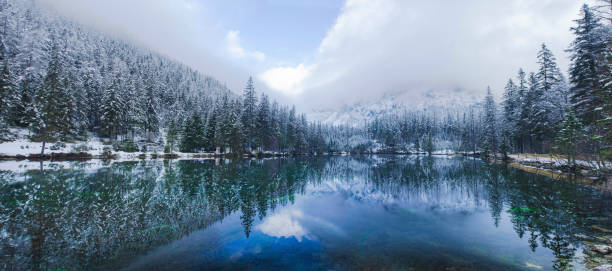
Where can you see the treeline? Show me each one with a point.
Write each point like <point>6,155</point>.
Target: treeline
<point>249,124</point>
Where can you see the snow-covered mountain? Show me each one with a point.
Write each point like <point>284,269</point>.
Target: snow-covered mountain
<point>392,103</point>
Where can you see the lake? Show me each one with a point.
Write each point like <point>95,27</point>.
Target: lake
<point>318,213</point>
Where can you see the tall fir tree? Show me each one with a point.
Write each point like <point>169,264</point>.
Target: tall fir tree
<point>52,101</point>
<point>111,111</point>
<point>236,131</point>
<point>8,93</point>
<point>262,123</point>
<point>544,95</point>
<point>211,126</point>
<point>291,131</point>
<point>490,121</point>
<point>151,119</point>
<point>511,106</point>
<point>568,137</point>
<point>192,137</point>
<point>171,136</point>
<point>588,61</point>
<point>249,108</point>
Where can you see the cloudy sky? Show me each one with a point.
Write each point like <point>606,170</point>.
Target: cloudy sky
<point>326,53</point>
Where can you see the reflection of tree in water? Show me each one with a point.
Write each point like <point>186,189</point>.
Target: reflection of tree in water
<point>86,218</point>
<point>551,213</point>
<point>79,217</point>
<point>254,186</point>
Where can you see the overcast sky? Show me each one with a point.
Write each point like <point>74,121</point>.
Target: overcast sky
<point>326,53</point>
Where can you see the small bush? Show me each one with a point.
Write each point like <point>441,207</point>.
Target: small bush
<point>107,152</point>
<point>126,146</point>
<point>80,148</point>
<point>57,146</point>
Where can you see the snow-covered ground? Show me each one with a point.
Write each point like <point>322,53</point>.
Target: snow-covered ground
<point>555,161</point>
<point>22,146</point>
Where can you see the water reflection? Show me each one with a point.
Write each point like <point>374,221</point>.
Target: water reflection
<point>317,213</point>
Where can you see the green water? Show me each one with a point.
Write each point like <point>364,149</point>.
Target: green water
<point>340,213</point>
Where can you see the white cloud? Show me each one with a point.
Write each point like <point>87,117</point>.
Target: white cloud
<point>378,46</point>
<point>232,41</point>
<point>285,223</point>
<point>287,80</point>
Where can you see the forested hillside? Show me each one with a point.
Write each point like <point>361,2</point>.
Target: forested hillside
<point>63,82</point>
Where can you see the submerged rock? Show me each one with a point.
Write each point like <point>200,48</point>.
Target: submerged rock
<point>603,249</point>
<point>605,267</point>
<point>585,237</point>
<point>601,229</point>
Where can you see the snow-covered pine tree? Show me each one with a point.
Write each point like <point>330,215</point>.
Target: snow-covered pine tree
<point>262,123</point>
<point>511,105</point>
<point>211,126</point>
<point>111,109</point>
<point>570,132</point>
<point>248,116</point>
<point>224,124</point>
<point>8,93</point>
<point>192,135</point>
<point>588,61</point>
<point>151,119</point>
<point>171,136</point>
<point>291,133</point>
<point>236,134</point>
<point>548,74</point>
<point>275,130</point>
<point>490,124</point>
<point>52,100</point>
<point>524,111</point>
<point>543,99</point>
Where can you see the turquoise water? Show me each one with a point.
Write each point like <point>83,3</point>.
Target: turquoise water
<point>333,213</point>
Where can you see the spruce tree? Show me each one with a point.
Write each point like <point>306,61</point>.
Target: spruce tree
<point>490,125</point>
<point>171,136</point>
<point>549,74</point>
<point>211,126</point>
<point>262,123</point>
<point>291,129</point>
<point>111,111</point>
<point>524,111</point>
<point>151,119</point>
<point>511,107</point>
<point>235,129</point>
<point>193,134</point>
<point>543,97</point>
<point>8,94</point>
<point>249,108</point>
<point>568,137</point>
<point>51,101</point>
<point>588,56</point>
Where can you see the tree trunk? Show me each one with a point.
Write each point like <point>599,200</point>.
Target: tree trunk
<point>42,150</point>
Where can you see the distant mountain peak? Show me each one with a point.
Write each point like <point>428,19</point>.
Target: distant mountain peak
<point>392,103</point>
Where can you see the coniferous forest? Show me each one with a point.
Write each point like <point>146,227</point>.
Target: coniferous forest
<point>63,82</point>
